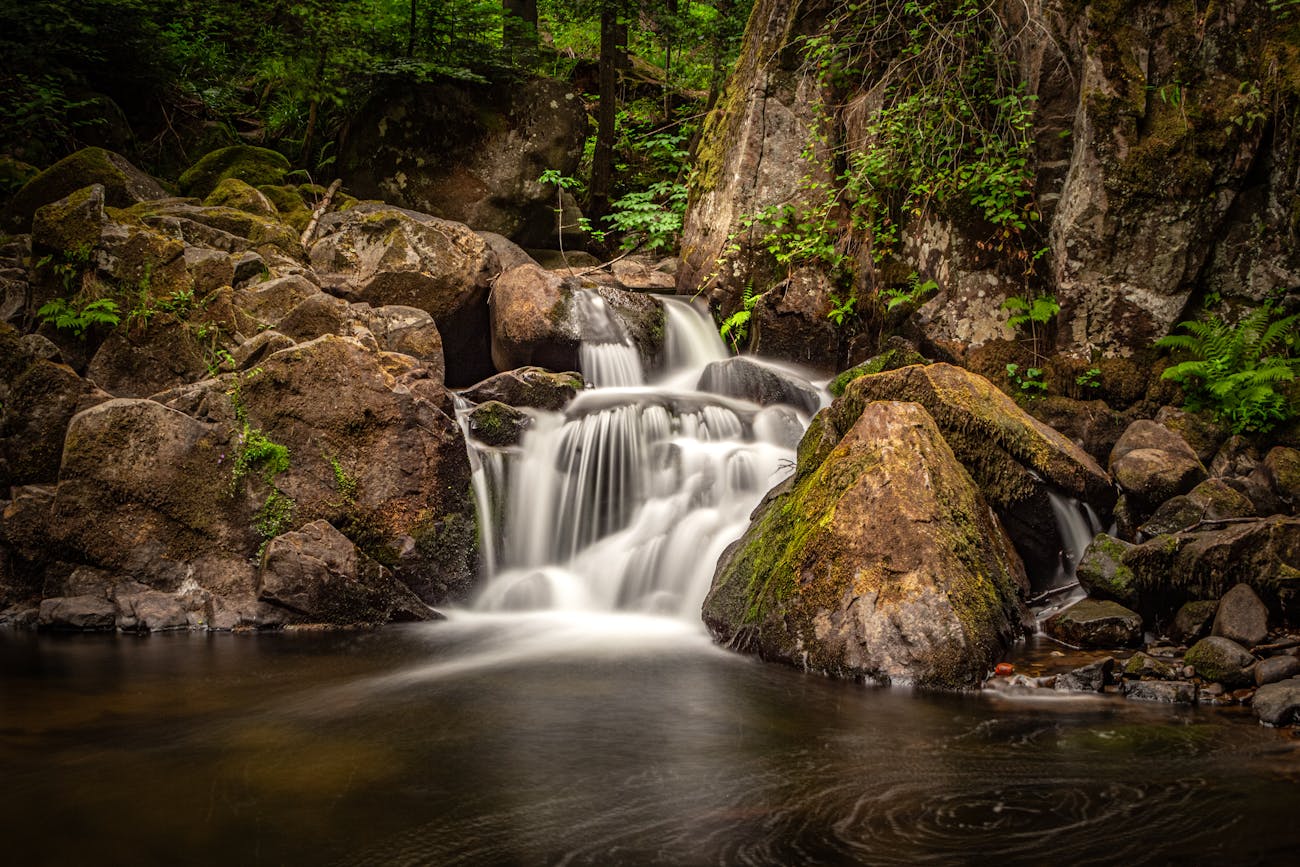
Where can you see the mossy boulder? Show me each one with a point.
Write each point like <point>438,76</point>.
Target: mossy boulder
<point>528,387</point>
<point>1144,665</point>
<point>14,174</point>
<point>221,228</point>
<point>124,185</point>
<point>1152,463</point>
<point>1102,572</point>
<point>1221,660</point>
<point>1193,620</point>
<point>253,165</point>
<point>1281,469</point>
<point>234,193</point>
<point>496,424</point>
<point>891,359</point>
<point>289,204</point>
<point>72,225</point>
<point>879,559</point>
<point>1095,623</point>
<point>1212,499</point>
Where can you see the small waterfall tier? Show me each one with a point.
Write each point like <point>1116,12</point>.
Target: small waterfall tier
<point>626,499</point>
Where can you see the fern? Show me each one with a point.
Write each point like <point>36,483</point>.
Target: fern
<point>1236,370</point>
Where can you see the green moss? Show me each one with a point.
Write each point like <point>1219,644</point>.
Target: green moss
<point>891,359</point>
<point>253,165</point>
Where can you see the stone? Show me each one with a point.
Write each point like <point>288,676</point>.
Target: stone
<point>123,184</point>
<point>222,228</point>
<point>40,403</point>
<point>1241,617</point>
<point>210,270</point>
<point>791,321</point>
<point>151,611</point>
<point>249,265</point>
<point>899,353</point>
<point>1101,571</point>
<point>253,165</point>
<point>508,253</point>
<point>141,361</point>
<point>1222,660</point>
<point>1237,457</point>
<point>1095,623</point>
<point>385,256</point>
<point>1088,678</point>
<point>77,613</point>
<point>251,352</point>
<point>1276,668</point>
<point>534,322</point>
<point>754,381</point>
<point>469,153</point>
<point>1198,429</point>
<point>497,424</point>
<point>1210,500</point>
<point>1152,463</point>
<point>234,193</point>
<point>270,301</point>
<point>1144,665</point>
<point>1193,620</point>
<point>1278,704</point>
<point>878,559</point>
<point>1282,471</point>
<point>72,225</point>
<point>318,573</point>
<point>528,387</point>
<point>1167,691</point>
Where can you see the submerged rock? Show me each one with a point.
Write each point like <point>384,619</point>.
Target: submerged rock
<point>879,559</point>
<point>748,379</point>
<point>1095,623</point>
<point>1088,678</point>
<point>1168,691</point>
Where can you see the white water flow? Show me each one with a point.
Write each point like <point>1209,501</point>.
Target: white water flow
<point>1076,524</point>
<point>624,501</point>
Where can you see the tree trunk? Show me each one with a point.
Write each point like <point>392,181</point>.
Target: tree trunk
<point>602,160</point>
<point>519,31</point>
<point>410,33</point>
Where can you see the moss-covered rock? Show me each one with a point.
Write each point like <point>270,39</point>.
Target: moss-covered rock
<point>1221,660</point>
<point>72,225</point>
<point>1282,471</point>
<point>497,424</point>
<point>1212,499</point>
<point>880,560</point>
<point>234,193</point>
<point>1144,665</point>
<point>289,204</point>
<point>1102,573</point>
<point>1152,463</point>
<point>528,386</point>
<point>890,359</point>
<point>124,185</point>
<point>1095,623</point>
<point>253,165</point>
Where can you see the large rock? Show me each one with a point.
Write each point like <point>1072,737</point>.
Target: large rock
<point>1095,623</point>
<point>124,185</point>
<point>879,559</point>
<point>38,404</point>
<point>528,387</point>
<point>1221,660</point>
<point>1152,463</point>
<point>1278,704</point>
<point>386,256</point>
<point>1102,572</point>
<point>469,153</point>
<point>1241,617</point>
<point>253,165</point>
<point>318,573</point>
<point>751,380</point>
<point>1212,499</point>
<point>78,614</point>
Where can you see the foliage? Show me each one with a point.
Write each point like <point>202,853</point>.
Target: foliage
<point>79,318</point>
<point>1035,312</point>
<point>1030,380</point>
<point>1090,378</point>
<point>1235,370</point>
<point>841,309</point>
<point>735,328</point>
<point>347,484</point>
<point>911,296</point>
<point>274,517</point>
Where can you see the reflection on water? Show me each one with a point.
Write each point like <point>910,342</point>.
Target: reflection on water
<point>593,739</point>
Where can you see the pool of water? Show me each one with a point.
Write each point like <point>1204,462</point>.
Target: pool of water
<point>594,739</point>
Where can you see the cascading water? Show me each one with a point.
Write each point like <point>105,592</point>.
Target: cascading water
<point>625,501</point>
<point>1076,524</point>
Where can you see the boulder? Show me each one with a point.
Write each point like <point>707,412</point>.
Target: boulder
<point>508,253</point>
<point>879,559</point>
<point>1144,665</point>
<point>1221,660</point>
<point>234,193</point>
<point>1088,678</point>
<point>123,184</point>
<point>318,573</point>
<point>252,165</point>
<point>791,321</point>
<point>1281,469</point>
<point>1151,463</point>
<point>1276,668</point>
<point>1212,499</point>
<point>761,383</point>
<point>1095,623</point>
<point>159,354</point>
<point>896,353</point>
<point>271,301</point>
<point>534,321</point>
<point>1198,429</point>
<point>383,256</point>
<point>1167,691</point>
<point>1241,617</point>
<point>1278,704</point>
<point>151,611</point>
<point>1102,572</point>
<point>222,228</point>
<point>469,153</point>
<point>77,614</point>
<point>497,424</point>
<point>1193,620</point>
<point>38,405</point>
<point>528,387</point>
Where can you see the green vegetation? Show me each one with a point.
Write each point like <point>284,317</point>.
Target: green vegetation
<point>347,484</point>
<point>1237,371</point>
<point>735,328</point>
<point>256,453</point>
<point>79,318</point>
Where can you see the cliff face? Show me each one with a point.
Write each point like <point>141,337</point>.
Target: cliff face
<point>1163,166</point>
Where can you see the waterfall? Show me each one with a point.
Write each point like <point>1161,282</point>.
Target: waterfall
<point>1076,524</point>
<point>625,500</point>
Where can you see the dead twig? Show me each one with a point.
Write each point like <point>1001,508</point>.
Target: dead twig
<point>320,211</point>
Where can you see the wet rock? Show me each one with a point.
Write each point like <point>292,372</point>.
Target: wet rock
<point>1278,704</point>
<point>879,559</point>
<point>1241,617</point>
<point>1152,463</point>
<point>77,613</point>
<point>1102,573</point>
<point>1211,499</point>
<point>1095,623</point>
<point>1193,620</point>
<point>384,256</point>
<point>252,165</point>
<point>750,380</point>
<point>497,424</point>
<point>897,352</point>
<point>534,322</point>
<point>1222,660</point>
<point>1276,668</point>
<point>1170,692</point>
<point>1088,678</point>
<point>528,387</point>
<point>151,611</point>
<point>318,573</point>
<point>123,184</point>
<point>1144,665</point>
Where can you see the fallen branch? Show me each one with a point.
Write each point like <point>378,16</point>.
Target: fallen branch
<point>320,211</point>
<point>1210,521</point>
<point>603,265</point>
<point>1048,594</point>
<point>1285,644</point>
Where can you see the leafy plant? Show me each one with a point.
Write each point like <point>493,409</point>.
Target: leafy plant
<point>68,315</point>
<point>1090,378</point>
<point>735,328</point>
<point>1030,380</point>
<point>1034,312</point>
<point>651,218</point>
<point>1235,370</point>
<point>911,296</point>
<point>842,309</point>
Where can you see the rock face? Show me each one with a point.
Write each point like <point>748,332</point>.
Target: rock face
<point>386,256</point>
<point>470,153</point>
<point>880,559</point>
